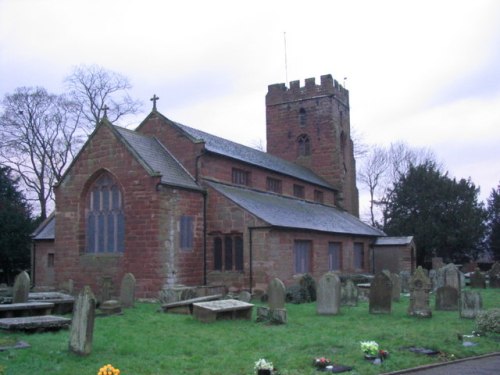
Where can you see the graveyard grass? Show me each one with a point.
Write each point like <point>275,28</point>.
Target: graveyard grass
<point>144,341</point>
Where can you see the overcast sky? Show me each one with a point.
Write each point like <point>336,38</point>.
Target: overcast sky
<point>425,72</point>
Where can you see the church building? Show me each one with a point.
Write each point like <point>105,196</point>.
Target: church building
<point>174,205</point>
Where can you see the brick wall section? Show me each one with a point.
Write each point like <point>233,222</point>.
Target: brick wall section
<point>148,221</point>
<point>43,273</point>
<point>326,123</point>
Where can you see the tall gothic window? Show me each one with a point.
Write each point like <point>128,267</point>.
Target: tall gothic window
<point>105,218</point>
<point>303,145</point>
<point>302,117</point>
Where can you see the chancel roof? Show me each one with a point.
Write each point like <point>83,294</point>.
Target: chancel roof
<point>157,159</point>
<point>280,211</point>
<point>250,155</point>
<point>393,241</point>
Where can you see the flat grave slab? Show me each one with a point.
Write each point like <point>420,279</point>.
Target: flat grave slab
<point>13,310</point>
<point>209,312</point>
<point>63,303</point>
<point>35,323</point>
<point>186,306</point>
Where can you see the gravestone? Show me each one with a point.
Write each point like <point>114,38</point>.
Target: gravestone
<point>21,289</point>
<point>494,275</point>
<point>380,300</point>
<point>471,304</point>
<point>328,294</point>
<point>276,293</point>
<point>127,290</point>
<point>244,296</point>
<point>478,280</point>
<point>110,307</point>
<point>420,288</point>
<point>433,276</point>
<point>449,275</point>
<point>447,298</point>
<point>82,324</point>
<point>404,277</point>
<point>396,287</point>
<point>349,294</point>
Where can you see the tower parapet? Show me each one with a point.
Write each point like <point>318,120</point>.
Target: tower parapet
<point>279,93</point>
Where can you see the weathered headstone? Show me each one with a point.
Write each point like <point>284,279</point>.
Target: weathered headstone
<point>349,294</point>
<point>494,275</point>
<point>328,294</point>
<point>449,275</point>
<point>21,289</point>
<point>396,287</point>
<point>433,276</point>
<point>82,324</point>
<point>420,288</point>
<point>471,304</point>
<point>477,279</point>
<point>381,294</point>
<point>404,277</point>
<point>447,298</point>
<point>276,293</point>
<point>244,296</point>
<point>127,290</point>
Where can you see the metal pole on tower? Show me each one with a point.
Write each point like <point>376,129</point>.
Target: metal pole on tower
<point>286,62</point>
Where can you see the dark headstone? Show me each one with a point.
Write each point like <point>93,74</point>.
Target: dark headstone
<point>328,294</point>
<point>471,304</point>
<point>478,280</point>
<point>447,298</point>
<point>420,288</point>
<point>494,275</point>
<point>21,289</point>
<point>349,294</point>
<point>381,294</point>
<point>82,324</point>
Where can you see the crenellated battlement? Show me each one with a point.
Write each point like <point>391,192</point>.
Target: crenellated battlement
<point>279,93</point>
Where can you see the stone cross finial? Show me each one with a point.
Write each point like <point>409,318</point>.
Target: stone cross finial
<point>105,109</point>
<point>154,99</point>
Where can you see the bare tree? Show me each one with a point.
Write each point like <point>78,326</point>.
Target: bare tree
<point>94,87</point>
<point>372,174</point>
<point>401,157</point>
<point>39,138</point>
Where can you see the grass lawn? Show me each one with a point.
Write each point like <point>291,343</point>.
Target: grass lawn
<point>143,341</point>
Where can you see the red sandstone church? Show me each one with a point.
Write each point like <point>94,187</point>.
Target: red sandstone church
<point>177,206</point>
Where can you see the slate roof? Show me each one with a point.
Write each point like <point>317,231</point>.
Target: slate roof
<point>250,155</point>
<point>157,159</point>
<point>393,241</point>
<point>287,212</point>
<point>46,230</point>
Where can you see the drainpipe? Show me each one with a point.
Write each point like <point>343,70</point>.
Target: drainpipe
<point>204,238</point>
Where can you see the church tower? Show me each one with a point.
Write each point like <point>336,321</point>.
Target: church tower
<point>310,126</point>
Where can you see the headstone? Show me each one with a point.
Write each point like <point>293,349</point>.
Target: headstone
<point>478,280</point>
<point>396,287</point>
<point>471,304</point>
<point>127,290</point>
<point>437,263</point>
<point>244,296</point>
<point>433,276</point>
<point>380,300</point>
<point>349,294</point>
<point>328,294</point>
<point>111,307</point>
<point>447,298</point>
<point>82,324</point>
<point>276,293</point>
<point>449,275</point>
<point>420,288</point>
<point>494,275</point>
<point>404,277</point>
<point>21,289</point>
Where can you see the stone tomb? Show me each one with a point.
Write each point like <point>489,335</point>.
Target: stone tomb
<point>209,312</point>
<point>16,310</point>
<point>35,323</point>
<point>186,306</point>
<point>420,288</point>
<point>328,294</point>
<point>381,294</point>
<point>447,298</point>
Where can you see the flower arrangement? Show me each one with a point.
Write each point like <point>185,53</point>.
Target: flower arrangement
<point>369,348</point>
<point>108,370</point>
<point>321,362</point>
<point>262,364</point>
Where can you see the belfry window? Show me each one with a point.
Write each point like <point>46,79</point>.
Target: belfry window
<point>302,117</point>
<point>105,230</point>
<point>303,145</point>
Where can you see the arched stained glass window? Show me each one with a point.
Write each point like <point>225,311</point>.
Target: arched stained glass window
<point>105,228</point>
